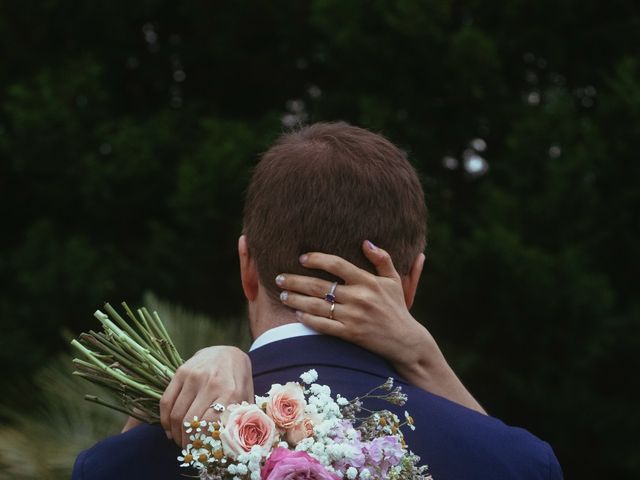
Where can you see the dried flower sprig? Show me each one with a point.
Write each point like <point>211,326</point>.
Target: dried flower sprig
<point>135,360</point>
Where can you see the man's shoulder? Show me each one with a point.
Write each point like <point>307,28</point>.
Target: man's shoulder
<point>455,441</point>
<point>142,452</point>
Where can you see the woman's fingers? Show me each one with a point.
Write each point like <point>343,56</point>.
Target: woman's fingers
<point>321,324</point>
<point>179,412</point>
<point>336,266</point>
<point>166,404</point>
<point>313,287</point>
<point>198,409</point>
<point>380,259</point>
<point>313,305</point>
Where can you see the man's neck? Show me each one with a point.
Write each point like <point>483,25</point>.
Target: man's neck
<point>265,315</point>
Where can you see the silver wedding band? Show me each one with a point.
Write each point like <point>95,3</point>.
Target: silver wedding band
<point>331,294</point>
<point>218,407</point>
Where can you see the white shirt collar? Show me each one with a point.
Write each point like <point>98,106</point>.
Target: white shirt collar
<point>282,332</point>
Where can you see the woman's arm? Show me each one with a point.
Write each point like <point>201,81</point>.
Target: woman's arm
<point>371,311</point>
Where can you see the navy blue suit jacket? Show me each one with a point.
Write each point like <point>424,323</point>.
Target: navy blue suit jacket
<point>456,443</point>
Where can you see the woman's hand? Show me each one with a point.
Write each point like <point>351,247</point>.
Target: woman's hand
<point>371,312</point>
<point>218,374</point>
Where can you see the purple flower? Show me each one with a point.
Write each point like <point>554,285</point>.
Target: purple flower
<point>385,452</point>
<point>284,464</point>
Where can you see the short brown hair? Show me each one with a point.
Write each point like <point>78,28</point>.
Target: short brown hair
<point>327,187</point>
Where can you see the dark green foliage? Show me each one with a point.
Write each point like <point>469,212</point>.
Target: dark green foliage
<point>128,131</point>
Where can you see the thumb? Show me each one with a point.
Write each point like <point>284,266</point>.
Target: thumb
<point>380,259</point>
<point>131,423</point>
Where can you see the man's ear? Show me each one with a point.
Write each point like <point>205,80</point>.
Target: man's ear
<point>248,270</point>
<point>410,281</point>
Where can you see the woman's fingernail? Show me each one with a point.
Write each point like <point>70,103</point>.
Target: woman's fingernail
<point>283,296</point>
<point>280,279</point>
<point>371,245</point>
<point>304,258</point>
<point>168,434</point>
<point>299,314</point>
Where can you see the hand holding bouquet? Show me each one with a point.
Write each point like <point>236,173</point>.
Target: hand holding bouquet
<point>297,431</point>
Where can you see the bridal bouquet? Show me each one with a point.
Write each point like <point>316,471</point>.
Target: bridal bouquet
<point>298,431</point>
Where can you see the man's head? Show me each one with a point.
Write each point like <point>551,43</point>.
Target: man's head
<point>327,187</point>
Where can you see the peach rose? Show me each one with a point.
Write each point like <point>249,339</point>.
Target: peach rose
<point>286,404</point>
<point>246,425</point>
<point>301,430</point>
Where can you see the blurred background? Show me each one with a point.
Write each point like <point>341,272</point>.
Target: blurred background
<point>128,130</point>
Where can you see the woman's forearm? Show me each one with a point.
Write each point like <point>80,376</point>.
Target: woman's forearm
<point>428,369</point>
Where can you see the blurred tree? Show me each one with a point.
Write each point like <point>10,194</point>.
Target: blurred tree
<point>128,131</point>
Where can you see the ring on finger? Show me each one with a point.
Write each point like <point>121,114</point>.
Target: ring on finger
<point>217,407</point>
<point>331,310</point>
<point>331,294</point>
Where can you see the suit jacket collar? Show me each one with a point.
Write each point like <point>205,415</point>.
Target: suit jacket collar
<point>317,350</point>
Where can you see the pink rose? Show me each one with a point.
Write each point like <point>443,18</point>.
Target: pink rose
<point>286,464</point>
<point>301,430</point>
<point>286,405</point>
<point>245,426</point>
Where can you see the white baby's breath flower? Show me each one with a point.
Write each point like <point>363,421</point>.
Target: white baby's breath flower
<point>365,474</point>
<point>352,473</point>
<point>309,377</point>
<point>256,453</point>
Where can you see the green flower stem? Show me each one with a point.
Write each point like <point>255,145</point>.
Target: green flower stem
<point>130,363</point>
<point>115,373</point>
<point>115,382</point>
<point>124,325</point>
<point>99,379</point>
<point>154,340</point>
<point>144,314</point>
<point>99,401</point>
<point>142,352</point>
<point>174,351</point>
<point>105,340</point>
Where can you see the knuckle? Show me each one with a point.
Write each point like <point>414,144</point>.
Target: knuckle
<point>318,289</point>
<point>367,298</point>
<point>334,263</point>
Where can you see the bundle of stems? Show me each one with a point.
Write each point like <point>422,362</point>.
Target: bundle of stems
<point>134,360</point>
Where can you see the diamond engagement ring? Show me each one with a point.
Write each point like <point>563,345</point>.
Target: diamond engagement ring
<point>331,294</point>
<point>218,407</point>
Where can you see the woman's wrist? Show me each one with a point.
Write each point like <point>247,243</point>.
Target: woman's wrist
<point>421,357</point>
<point>424,366</point>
